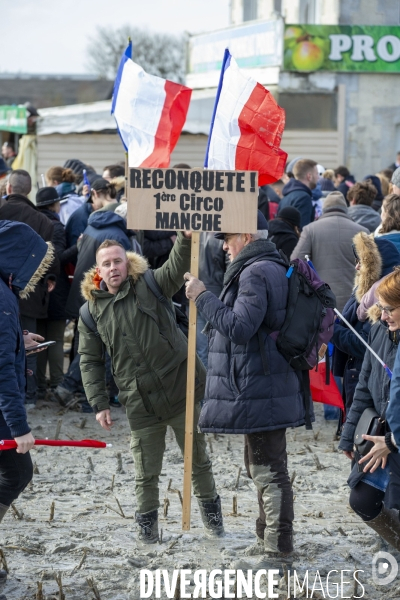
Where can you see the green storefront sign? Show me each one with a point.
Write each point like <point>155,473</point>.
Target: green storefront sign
<point>354,48</point>
<point>13,118</point>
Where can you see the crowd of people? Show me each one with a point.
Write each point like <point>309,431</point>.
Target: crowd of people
<point>69,257</point>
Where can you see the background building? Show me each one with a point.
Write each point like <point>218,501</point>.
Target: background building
<point>335,117</point>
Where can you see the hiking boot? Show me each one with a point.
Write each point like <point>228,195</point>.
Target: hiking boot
<point>63,395</point>
<point>3,579</point>
<point>387,525</point>
<point>255,549</point>
<point>211,515</point>
<point>276,560</point>
<point>41,393</point>
<point>147,527</point>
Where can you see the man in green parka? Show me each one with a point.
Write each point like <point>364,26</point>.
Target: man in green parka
<point>149,361</point>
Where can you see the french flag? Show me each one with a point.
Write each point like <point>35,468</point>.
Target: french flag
<point>246,127</point>
<point>150,113</point>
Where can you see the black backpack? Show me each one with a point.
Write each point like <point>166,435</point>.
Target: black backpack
<point>179,317</point>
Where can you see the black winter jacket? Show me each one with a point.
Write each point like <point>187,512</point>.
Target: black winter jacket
<point>372,390</point>
<point>77,223</point>
<point>20,208</point>
<point>156,247</point>
<point>58,297</point>
<point>240,396</point>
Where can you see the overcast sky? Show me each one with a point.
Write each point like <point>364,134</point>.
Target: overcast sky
<point>50,36</point>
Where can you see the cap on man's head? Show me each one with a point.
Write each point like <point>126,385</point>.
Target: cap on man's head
<point>262,223</point>
<point>46,196</point>
<point>291,215</point>
<point>396,177</point>
<point>335,200</point>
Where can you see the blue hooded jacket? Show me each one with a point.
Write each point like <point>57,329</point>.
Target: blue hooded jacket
<point>102,225</point>
<point>297,194</point>
<point>21,260</point>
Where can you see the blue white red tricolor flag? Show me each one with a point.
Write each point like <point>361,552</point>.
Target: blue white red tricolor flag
<point>246,127</point>
<point>150,113</point>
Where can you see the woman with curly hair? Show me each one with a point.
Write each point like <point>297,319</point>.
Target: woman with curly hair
<point>390,226</point>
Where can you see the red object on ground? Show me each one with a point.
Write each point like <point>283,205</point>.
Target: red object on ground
<point>323,392</point>
<point>9,444</point>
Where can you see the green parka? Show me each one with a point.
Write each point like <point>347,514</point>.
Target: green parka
<point>147,350</point>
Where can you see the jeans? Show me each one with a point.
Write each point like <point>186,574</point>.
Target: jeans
<point>148,447</point>
<point>72,380</point>
<point>201,339</point>
<point>29,323</point>
<point>266,464</point>
<point>332,413</point>
<point>16,471</point>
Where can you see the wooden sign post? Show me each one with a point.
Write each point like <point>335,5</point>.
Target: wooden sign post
<point>196,200</point>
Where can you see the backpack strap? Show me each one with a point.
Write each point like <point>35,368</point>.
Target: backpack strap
<point>88,319</point>
<point>153,286</point>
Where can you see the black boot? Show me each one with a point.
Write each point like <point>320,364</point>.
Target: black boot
<point>387,525</point>
<point>147,527</point>
<point>211,515</point>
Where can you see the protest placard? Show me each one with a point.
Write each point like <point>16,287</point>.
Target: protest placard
<point>192,200</point>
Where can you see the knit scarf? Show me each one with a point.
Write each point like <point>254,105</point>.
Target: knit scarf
<point>257,248</point>
<point>65,188</point>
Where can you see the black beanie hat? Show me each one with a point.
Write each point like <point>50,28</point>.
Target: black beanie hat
<point>291,215</point>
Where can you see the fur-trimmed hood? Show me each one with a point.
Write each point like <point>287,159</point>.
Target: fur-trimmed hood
<point>374,314</point>
<point>118,182</point>
<point>377,257</point>
<point>137,266</point>
<point>25,257</point>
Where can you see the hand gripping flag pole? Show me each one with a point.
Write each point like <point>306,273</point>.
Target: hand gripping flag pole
<point>10,444</point>
<point>378,358</point>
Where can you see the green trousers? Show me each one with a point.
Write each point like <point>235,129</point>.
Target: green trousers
<point>148,446</point>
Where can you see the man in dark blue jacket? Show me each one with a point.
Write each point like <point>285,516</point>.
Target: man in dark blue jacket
<point>298,191</point>
<point>24,258</point>
<point>251,389</point>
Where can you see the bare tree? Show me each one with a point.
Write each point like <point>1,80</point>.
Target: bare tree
<point>157,53</point>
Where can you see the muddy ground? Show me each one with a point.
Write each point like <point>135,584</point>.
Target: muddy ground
<point>91,546</point>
